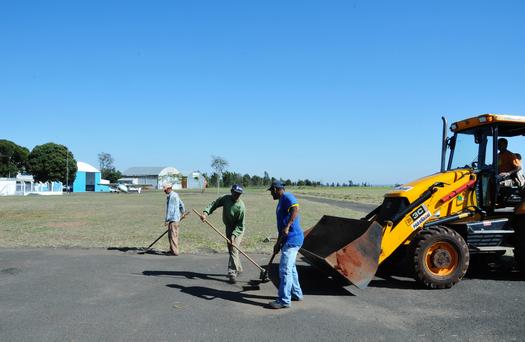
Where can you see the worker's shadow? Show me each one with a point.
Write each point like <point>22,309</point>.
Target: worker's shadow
<point>188,275</point>
<point>208,293</point>
<point>139,250</point>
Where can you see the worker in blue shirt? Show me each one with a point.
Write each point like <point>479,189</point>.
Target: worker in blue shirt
<point>289,242</point>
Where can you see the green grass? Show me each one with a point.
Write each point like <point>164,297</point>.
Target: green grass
<point>370,195</point>
<point>132,220</point>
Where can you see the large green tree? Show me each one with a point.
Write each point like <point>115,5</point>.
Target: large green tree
<point>112,175</point>
<point>108,171</point>
<point>52,162</point>
<point>13,158</point>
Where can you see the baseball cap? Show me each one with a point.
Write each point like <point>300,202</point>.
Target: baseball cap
<point>276,184</point>
<point>237,188</point>
<point>167,185</point>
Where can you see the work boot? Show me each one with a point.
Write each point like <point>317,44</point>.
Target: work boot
<point>278,305</point>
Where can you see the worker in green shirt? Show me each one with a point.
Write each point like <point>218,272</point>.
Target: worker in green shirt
<point>233,213</point>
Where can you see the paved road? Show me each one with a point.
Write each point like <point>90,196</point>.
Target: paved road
<point>94,295</point>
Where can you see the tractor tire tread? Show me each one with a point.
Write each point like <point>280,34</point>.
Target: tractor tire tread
<point>423,240</point>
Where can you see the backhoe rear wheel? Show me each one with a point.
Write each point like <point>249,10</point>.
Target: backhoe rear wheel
<point>441,257</point>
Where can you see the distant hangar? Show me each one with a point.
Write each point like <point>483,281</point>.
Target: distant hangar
<point>155,176</point>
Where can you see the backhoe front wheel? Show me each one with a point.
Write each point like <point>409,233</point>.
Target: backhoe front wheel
<point>441,257</point>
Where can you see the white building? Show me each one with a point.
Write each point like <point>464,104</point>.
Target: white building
<point>195,180</point>
<point>153,176</point>
<point>24,185</point>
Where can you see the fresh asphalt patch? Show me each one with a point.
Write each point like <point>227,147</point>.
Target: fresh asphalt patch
<point>95,294</point>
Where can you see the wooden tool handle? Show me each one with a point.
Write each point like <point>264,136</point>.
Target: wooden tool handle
<point>229,241</point>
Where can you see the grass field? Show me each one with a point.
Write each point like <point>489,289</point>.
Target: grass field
<point>133,220</point>
<point>370,195</point>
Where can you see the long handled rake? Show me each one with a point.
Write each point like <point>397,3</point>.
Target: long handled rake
<point>160,237</point>
<point>234,246</point>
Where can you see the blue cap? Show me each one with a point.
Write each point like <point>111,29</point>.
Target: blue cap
<point>276,184</point>
<point>237,188</point>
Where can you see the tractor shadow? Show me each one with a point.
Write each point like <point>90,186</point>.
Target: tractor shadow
<point>313,281</point>
<point>399,275</point>
<point>491,267</point>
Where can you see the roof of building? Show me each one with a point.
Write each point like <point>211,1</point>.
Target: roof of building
<point>143,171</point>
<point>85,167</point>
<point>169,171</point>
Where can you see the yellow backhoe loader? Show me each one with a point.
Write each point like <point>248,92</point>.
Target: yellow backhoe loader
<point>441,219</point>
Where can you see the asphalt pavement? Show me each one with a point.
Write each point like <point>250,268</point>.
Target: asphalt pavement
<point>112,295</point>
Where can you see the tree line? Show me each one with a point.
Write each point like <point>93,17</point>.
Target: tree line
<point>230,178</point>
<point>246,180</point>
<point>52,162</point>
<point>46,163</point>
<point>221,177</point>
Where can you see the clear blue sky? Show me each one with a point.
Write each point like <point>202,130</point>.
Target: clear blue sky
<point>325,90</point>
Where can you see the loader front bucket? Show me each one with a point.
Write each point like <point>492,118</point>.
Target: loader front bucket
<point>350,247</point>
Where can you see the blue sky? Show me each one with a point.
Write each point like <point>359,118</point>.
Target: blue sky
<point>325,90</point>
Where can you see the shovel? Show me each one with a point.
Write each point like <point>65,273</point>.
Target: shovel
<point>264,275</point>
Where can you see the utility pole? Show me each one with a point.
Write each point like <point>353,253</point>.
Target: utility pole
<point>67,171</point>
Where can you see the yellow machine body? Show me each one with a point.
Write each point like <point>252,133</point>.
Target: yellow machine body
<point>432,209</point>
<point>355,248</point>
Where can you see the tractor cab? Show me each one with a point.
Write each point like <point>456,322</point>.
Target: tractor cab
<point>477,144</point>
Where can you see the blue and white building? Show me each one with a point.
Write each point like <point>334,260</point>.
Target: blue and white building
<point>88,178</point>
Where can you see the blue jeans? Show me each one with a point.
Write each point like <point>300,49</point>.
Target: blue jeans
<point>288,277</point>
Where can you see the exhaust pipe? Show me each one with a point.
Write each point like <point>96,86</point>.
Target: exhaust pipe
<point>444,144</point>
